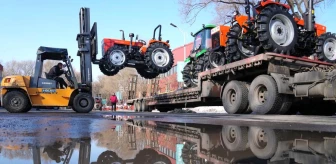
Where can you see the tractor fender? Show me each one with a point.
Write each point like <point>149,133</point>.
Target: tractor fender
<point>283,82</point>
<point>266,3</point>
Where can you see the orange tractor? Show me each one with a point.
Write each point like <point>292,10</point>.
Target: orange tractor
<point>149,61</point>
<point>272,28</point>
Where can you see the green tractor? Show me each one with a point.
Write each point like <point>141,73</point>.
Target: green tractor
<point>198,60</point>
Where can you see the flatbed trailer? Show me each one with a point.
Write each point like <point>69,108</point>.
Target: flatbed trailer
<point>279,83</point>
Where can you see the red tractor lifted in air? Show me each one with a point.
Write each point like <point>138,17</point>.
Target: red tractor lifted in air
<point>149,60</point>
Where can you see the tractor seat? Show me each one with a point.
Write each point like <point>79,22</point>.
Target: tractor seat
<point>142,41</point>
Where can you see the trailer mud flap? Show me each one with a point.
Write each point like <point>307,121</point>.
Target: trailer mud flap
<point>209,89</point>
<point>283,82</point>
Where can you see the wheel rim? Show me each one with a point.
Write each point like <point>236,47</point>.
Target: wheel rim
<point>83,102</point>
<point>261,139</point>
<point>231,135</point>
<point>216,59</point>
<point>329,48</point>
<point>117,57</point>
<point>281,30</point>
<point>231,96</point>
<point>15,102</point>
<point>261,93</point>
<point>245,50</point>
<point>160,57</point>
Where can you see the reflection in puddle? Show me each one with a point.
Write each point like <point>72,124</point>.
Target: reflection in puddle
<point>148,142</point>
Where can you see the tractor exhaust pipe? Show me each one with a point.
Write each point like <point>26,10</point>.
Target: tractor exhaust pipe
<point>131,35</point>
<point>123,36</point>
<point>310,17</point>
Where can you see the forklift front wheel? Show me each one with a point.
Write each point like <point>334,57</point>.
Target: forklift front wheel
<point>83,103</point>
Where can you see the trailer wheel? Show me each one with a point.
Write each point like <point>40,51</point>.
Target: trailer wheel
<point>83,103</point>
<point>159,57</point>
<point>263,142</point>
<point>116,57</point>
<point>263,96</point>
<point>107,70</point>
<point>235,97</point>
<point>189,77</point>
<point>234,137</point>
<point>326,47</point>
<point>146,73</point>
<point>16,102</point>
<point>277,30</point>
<point>235,48</point>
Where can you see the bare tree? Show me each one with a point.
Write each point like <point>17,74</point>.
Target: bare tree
<point>190,9</point>
<point>24,68</point>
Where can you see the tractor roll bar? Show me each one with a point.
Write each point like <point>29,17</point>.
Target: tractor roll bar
<point>159,26</point>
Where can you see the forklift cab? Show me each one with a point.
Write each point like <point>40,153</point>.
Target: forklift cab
<point>56,54</point>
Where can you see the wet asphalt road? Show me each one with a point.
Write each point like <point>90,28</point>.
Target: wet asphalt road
<point>41,131</point>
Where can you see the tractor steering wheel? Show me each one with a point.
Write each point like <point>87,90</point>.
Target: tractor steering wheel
<point>142,41</point>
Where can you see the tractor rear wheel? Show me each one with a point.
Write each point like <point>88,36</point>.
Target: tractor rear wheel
<point>83,103</point>
<point>235,48</point>
<point>189,76</point>
<point>146,73</point>
<point>159,57</point>
<point>116,56</point>
<point>326,47</point>
<point>16,102</point>
<point>107,70</point>
<point>277,30</point>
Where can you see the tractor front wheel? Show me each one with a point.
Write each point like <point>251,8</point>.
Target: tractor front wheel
<point>326,47</point>
<point>146,73</point>
<point>116,56</point>
<point>16,102</point>
<point>277,30</point>
<point>107,70</point>
<point>189,77</point>
<point>216,59</point>
<point>83,103</point>
<point>159,57</point>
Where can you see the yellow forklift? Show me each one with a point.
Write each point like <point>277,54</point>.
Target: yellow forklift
<point>20,93</point>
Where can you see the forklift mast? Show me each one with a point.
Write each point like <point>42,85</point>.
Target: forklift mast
<point>87,47</point>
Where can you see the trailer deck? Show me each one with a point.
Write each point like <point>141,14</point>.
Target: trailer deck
<point>211,82</point>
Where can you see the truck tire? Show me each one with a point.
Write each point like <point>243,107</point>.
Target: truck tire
<point>107,70</point>
<point>326,47</point>
<point>117,57</point>
<point>259,103</point>
<point>235,49</point>
<point>235,97</point>
<point>189,76</point>
<point>234,138</point>
<point>277,30</point>
<point>16,102</point>
<point>159,57</point>
<point>160,159</point>
<point>263,142</point>
<point>145,73</point>
<point>83,103</point>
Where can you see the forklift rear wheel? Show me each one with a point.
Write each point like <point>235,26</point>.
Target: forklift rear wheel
<point>107,70</point>
<point>326,47</point>
<point>16,102</point>
<point>83,103</point>
<point>159,57</point>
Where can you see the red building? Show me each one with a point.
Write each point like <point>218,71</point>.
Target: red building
<point>168,81</point>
